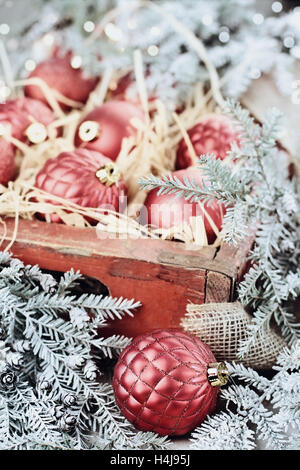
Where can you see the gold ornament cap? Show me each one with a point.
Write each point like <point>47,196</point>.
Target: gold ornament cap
<point>109,174</point>
<point>36,133</point>
<point>217,374</point>
<point>88,131</point>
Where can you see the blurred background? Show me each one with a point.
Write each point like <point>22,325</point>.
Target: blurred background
<point>254,46</point>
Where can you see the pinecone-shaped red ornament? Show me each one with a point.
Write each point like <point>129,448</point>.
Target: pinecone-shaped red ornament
<point>85,178</point>
<point>165,211</point>
<point>58,73</point>
<point>213,134</point>
<point>28,119</point>
<point>105,127</point>
<point>167,382</point>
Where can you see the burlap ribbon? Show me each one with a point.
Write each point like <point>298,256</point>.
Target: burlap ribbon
<point>222,326</point>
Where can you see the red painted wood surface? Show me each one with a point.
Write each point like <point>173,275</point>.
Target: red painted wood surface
<point>163,275</point>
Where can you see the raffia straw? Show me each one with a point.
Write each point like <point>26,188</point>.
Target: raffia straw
<point>15,232</point>
<point>52,96</point>
<point>141,84</point>
<point>186,138</point>
<point>4,60</point>
<point>4,231</point>
<point>97,96</point>
<point>153,150</point>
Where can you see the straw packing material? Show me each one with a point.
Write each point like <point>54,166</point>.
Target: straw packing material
<point>152,150</point>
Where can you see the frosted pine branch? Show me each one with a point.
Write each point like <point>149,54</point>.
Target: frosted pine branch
<point>176,62</point>
<point>258,193</point>
<point>256,408</point>
<point>52,390</point>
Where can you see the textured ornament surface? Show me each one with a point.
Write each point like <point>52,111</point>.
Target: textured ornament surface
<point>114,119</point>
<point>72,176</point>
<point>165,210</point>
<point>160,382</point>
<point>59,75</point>
<point>20,113</point>
<point>213,134</point>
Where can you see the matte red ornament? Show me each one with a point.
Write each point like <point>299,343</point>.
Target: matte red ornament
<point>83,177</point>
<point>213,134</point>
<point>120,90</point>
<point>165,211</point>
<point>21,113</point>
<point>7,162</point>
<point>58,73</point>
<point>166,381</point>
<point>105,127</point>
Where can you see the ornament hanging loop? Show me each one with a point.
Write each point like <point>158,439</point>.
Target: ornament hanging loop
<point>217,374</point>
<point>89,131</point>
<point>109,174</point>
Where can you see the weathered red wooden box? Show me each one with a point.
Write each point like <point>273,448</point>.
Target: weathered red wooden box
<point>163,275</point>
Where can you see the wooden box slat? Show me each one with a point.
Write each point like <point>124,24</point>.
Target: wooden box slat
<point>163,275</point>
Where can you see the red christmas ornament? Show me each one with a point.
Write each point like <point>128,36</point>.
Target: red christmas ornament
<point>7,162</point>
<point>165,211</point>
<point>58,73</point>
<point>167,382</point>
<point>28,119</point>
<point>105,127</point>
<point>83,177</point>
<point>119,90</point>
<point>213,134</point>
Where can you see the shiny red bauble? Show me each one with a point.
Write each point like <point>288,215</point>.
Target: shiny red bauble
<point>105,127</point>
<point>213,134</point>
<point>165,211</point>
<point>160,382</point>
<point>76,177</point>
<point>58,74</point>
<point>21,113</point>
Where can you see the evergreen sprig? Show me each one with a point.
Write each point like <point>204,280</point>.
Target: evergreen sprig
<point>226,28</point>
<point>53,394</point>
<point>257,409</point>
<point>260,195</point>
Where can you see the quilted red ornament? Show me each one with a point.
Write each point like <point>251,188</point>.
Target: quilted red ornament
<point>58,73</point>
<point>213,134</point>
<point>105,127</point>
<point>167,382</point>
<point>165,211</point>
<point>28,119</point>
<point>83,177</point>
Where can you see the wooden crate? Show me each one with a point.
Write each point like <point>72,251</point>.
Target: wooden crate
<point>163,275</point>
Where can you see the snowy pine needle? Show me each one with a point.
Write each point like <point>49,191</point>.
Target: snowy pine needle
<point>259,193</point>
<point>52,392</point>
<point>257,409</point>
